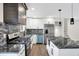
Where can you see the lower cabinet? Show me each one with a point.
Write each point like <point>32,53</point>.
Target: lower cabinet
<point>52,49</point>
<point>48,49</point>
<point>22,51</point>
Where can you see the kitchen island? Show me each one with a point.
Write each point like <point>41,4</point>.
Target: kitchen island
<point>63,47</point>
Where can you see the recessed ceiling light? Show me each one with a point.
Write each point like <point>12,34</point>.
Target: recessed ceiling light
<point>32,8</point>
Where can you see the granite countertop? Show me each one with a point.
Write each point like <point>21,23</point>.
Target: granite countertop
<point>19,42</point>
<point>57,41</point>
<point>15,44</point>
<point>63,43</point>
<point>13,48</point>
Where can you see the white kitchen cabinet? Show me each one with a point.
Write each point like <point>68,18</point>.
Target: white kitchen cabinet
<point>22,51</point>
<point>54,49</point>
<point>48,49</point>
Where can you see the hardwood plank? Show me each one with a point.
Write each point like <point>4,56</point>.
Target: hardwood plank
<point>38,50</point>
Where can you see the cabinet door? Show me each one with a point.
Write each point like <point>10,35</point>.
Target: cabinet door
<point>11,13</point>
<point>22,14</point>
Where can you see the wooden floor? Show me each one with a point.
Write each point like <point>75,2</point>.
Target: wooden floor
<point>39,50</point>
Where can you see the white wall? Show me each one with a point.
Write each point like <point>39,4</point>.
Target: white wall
<point>59,30</point>
<point>67,29</point>
<point>1,12</point>
<point>34,23</point>
<point>73,30</point>
<point>38,23</point>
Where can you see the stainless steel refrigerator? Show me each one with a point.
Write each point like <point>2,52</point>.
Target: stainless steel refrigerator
<point>48,33</point>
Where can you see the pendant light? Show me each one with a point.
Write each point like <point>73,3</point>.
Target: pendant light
<point>59,16</point>
<point>72,19</point>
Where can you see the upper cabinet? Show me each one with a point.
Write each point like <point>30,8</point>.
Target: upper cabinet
<point>15,13</point>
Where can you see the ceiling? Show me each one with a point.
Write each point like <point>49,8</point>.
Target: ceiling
<point>51,9</point>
